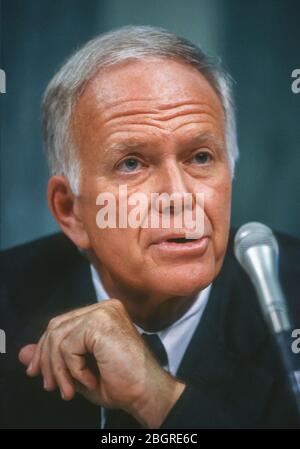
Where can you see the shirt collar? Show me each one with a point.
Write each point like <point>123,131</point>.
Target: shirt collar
<point>175,337</point>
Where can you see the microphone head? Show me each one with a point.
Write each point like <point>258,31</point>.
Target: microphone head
<point>256,249</point>
<point>251,235</point>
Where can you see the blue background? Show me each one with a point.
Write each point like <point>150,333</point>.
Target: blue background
<point>258,42</point>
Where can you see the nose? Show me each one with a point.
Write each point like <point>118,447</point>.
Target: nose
<point>171,183</point>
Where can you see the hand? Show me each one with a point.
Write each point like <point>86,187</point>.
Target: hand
<point>129,376</point>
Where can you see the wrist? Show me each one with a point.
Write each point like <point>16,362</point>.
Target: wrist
<point>153,406</point>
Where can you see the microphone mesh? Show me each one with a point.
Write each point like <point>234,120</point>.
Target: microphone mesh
<point>253,234</point>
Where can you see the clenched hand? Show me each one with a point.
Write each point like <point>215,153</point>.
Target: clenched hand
<point>129,376</point>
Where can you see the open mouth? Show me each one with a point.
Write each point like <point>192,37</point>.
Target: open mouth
<point>176,246</point>
<point>180,240</point>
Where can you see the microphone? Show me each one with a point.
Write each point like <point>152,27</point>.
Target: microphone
<point>257,251</point>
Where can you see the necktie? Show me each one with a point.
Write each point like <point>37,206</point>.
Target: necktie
<point>119,419</point>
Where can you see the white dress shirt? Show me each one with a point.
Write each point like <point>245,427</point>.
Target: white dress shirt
<point>175,337</point>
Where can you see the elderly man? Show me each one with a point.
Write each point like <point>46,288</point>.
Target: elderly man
<point>132,326</point>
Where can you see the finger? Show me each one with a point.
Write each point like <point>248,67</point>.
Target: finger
<point>26,354</point>
<point>80,371</point>
<point>50,359</point>
<point>74,353</point>
<point>52,365</point>
<point>45,364</point>
<point>62,377</point>
<point>34,366</point>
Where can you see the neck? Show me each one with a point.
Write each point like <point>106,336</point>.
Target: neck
<point>156,316</point>
<point>151,312</point>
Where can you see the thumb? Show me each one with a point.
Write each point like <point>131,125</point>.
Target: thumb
<point>26,354</point>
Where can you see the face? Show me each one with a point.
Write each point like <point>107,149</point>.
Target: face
<point>156,126</point>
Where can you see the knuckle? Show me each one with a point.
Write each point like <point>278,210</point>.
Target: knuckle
<point>58,364</point>
<point>58,371</point>
<point>115,304</point>
<point>109,303</point>
<point>64,345</point>
<point>75,373</point>
<point>52,336</point>
<point>53,323</point>
<point>106,314</point>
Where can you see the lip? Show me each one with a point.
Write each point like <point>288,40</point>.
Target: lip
<point>163,238</point>
<point>195,247</point>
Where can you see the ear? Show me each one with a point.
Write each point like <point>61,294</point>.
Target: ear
<point>65,208</point>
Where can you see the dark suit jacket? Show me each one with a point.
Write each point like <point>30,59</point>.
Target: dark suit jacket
<point>231,368</point>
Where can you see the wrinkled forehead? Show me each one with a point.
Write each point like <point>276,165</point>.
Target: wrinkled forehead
<point>152,82</point>
<point>146,99</point>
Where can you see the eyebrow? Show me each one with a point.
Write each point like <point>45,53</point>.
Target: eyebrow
<point>134,144</point>
<point>203,137</point>
<point>129,144</point>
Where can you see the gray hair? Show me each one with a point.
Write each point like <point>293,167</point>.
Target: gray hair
<point>129,42</point>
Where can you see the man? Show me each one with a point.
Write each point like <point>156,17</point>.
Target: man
<point>139,107</point>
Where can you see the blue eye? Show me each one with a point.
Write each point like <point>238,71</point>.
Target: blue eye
<point>201,158</point>
<point>129,165</point>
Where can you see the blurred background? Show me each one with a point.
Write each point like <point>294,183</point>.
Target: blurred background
<point>257,41</point>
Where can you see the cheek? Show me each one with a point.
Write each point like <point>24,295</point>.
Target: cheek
<point>217,206</point>
<point>115,243</point>
<point>111,244</point>
<point>117,251</point>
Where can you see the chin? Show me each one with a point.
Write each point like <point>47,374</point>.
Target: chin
<point>184,282</point>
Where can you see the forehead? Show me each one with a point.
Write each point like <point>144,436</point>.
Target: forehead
<point>160,92</point>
